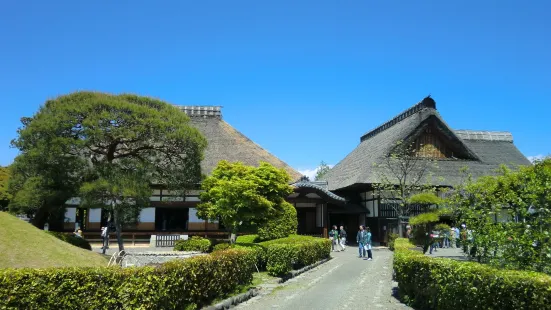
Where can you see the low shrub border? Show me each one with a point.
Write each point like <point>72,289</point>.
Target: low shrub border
<point>182,284</point>
<point>442,283</point>
<point>194,243</point>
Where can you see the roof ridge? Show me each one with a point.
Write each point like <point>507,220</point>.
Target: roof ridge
<point>201,110</point>
<point>426,103</point>
<point>484,135</point>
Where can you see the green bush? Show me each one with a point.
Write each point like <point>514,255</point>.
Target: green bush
<point>283,224</point>
<point>179,284</point>
<point>221,247</point>
<point>194,243</point>
<point>247,239</point>
<point>282,255</point>
<point>391,239</point>
<point>74,240</point>
<point>441,283</point>
<point>258,251</point>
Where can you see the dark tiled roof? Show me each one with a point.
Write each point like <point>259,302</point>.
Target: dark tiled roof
<point>226,143</point>
<point>319,188</point>
<point>481,152</point>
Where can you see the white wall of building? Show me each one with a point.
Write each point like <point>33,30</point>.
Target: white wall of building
<point>95,215</point>
<point>147,215</point>
<point>70,215</point>
<point>193,216</point>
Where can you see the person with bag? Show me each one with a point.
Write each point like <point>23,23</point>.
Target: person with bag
<point>342,235</point>
<point>334,237</point>
<point>368,244</point>
<point>361,238</point>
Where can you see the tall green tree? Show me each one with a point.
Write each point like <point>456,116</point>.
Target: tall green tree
<point>509,215</point>
<point>5,195</point>
<point>405,180</point>
<point>243,196</point>
<point>322,170</point>
<point>118,146</point>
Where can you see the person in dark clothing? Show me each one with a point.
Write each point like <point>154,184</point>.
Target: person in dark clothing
<point>361,239</point>
<point>342,235</point>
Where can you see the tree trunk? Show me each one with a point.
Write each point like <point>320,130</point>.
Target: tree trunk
<point>400,229</point>
<point>118,227</point>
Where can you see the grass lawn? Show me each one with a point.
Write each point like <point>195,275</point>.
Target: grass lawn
<point>23,245</point>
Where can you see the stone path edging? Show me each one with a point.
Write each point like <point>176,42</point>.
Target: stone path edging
<point>295,273</point>
<point>253,292</point>
<point>235,300</point>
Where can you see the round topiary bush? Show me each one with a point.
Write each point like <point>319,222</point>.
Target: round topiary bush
<point>281,225</point>
<point>194,243</point>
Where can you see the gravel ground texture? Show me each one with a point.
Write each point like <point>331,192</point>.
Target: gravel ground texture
<point>345,282</point>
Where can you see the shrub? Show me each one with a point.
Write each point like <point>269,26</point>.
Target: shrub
<point>179,284</point>
<point>248,239</point>
<point>258,251</point>
<point>294,251</point>
<point>221,247</point>
<point>74,240</point>
<point>391,239</point>
<point>194,243</point>
<point>441,283</point>
<point>281,225</point>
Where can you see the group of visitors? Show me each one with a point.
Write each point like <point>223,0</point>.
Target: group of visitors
<point>363,238</point>
<point>449,238</point>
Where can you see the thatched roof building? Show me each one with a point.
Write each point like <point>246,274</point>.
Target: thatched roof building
<point>482,152</point>
<point>226,143</point>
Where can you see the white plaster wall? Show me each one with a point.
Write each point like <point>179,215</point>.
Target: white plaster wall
<point>147,215</point>
<point>70,215</point>
<point>192,198</point>
<point>94,215</point>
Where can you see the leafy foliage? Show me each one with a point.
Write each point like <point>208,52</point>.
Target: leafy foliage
<point>243,195</point>
<point>106,149</point>
<point>391,240</point>
<point>221,247</point>
<point>5,195</point>
<point>322,170</point>
<point>280,256</point>
<point>424,218</point>
<point>178,284</point>
<point>195,243</point>
<point>281,224</point>
<point>74,240</point>
<point>429,283</point>
<point>509,216</point>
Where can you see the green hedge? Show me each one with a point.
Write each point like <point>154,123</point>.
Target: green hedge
<point>194,243</point>
<point>74,240</point>
<point>221,247</point>
<point>179,284</point>
<point>441,283</point>
<point>248,239</point>
<point>280,256</point>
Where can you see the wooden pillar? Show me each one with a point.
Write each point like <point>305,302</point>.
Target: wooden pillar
<point>325,219</point>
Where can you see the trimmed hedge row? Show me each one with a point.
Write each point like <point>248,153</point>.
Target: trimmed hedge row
<point>179,284</point>
<point>248,239</point>
<point>280,256</point>
<point>74,240</point>
<point>195,243</point>
<point>441,283</point>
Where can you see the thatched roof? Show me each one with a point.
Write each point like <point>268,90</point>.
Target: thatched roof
<point>226,143</point>
<point>482,152</point>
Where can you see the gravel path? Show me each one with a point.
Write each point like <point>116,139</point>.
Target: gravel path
<point>345,282</point>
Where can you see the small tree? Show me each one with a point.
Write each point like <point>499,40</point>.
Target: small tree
<point>5,195</point>
<point>243,195</point>
<point>112,147</point>
<point>322,170</point>
<point>402,175</point>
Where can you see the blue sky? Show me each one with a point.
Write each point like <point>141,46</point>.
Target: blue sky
<point>304,79</point>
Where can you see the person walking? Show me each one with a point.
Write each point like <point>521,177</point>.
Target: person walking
<point>368,244</point>
<point>361,238</point>
<point>334,237</point>
<point>342,235</point>
<point>452,238</point>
